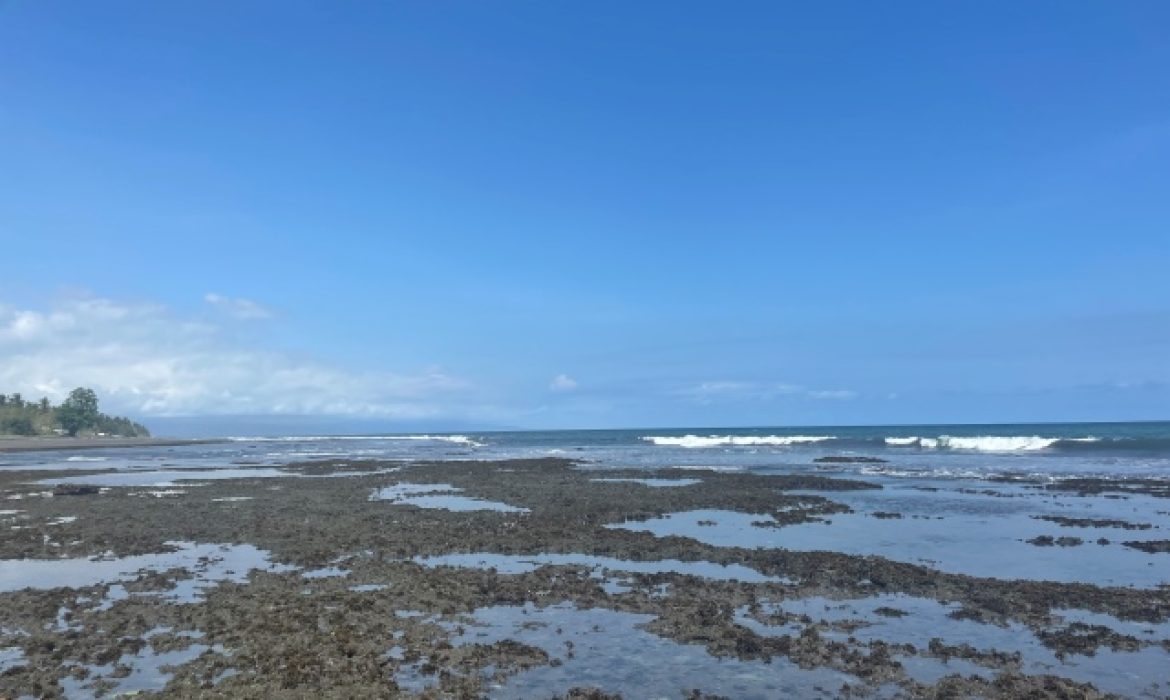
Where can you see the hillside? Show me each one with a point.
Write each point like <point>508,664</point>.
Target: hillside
<point>78,414</point>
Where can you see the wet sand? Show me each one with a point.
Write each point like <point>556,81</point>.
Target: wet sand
<point>536,578</point>
<point>37,444</point>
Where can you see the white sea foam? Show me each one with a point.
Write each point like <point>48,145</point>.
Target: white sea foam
<point>455,439</point>
<point>82,458</point>
<point>882,470</point>
<point>983,443</point>
<point>993,443</point>
<point>709,467</point>
<point>696,441</point>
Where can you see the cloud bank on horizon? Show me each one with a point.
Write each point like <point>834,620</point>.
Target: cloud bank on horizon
<point>149,360</point>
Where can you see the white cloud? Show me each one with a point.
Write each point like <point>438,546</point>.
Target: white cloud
<point>711,391</point>
<point>562,382</point>
<point>146,360</point>
<point>244,309</point>
<point>833,394</point>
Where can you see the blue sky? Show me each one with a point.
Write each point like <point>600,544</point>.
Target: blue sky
<point>589,214</point>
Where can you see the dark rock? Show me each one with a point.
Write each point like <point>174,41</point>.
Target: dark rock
<point>75,490</point>
<point>1151,546</point>
<point>1049,541</point>
<point>1092,522</point>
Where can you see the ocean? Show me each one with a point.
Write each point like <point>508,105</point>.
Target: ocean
<point>1048,450</point>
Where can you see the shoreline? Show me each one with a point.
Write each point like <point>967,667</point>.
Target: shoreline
<point>43,444</point>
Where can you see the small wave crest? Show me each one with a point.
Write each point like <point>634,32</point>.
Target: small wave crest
<point>454,439</point>
<point>82,458</point>
<point>696,441</point>
<point>931,472</point>
<point>709,468</point>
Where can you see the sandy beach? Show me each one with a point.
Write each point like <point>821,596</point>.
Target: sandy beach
<point>537,578</point>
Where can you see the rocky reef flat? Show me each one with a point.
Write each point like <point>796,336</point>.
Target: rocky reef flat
<point>547,578</point>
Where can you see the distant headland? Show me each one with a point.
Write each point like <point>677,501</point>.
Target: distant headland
<point>77,416</point>
<point>76,423</point>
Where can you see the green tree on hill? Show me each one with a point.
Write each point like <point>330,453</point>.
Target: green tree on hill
<point>79,411</point>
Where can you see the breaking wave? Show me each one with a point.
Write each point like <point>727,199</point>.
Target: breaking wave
<point>985,443</point>
<point>695,441</point>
